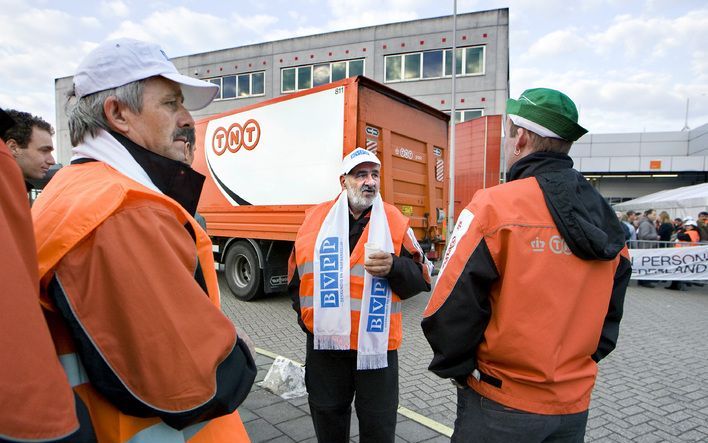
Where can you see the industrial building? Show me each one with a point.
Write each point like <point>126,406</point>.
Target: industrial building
<point>626,166</point>
<point>413,57</point>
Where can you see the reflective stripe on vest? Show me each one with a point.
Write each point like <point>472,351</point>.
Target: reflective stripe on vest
<point>161,433</point>
<point>157,433</point>
<point>307,268</point>
<point>354,303</point>
<point>74,369</point>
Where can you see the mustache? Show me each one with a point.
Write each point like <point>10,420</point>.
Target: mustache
<point>368,188</point>
<point>186,133</point>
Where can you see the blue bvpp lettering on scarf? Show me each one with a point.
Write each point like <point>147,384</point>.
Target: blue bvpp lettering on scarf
<point>377,305</point>
<point>329,273</point>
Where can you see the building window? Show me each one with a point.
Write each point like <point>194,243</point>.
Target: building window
<point>239,86</point>
<point>308,76</point>
<point>394,65</point>
<point>433,64</point>
<point>463,115</point>
<point>356,67</point>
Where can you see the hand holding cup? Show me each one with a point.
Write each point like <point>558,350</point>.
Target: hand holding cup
<point>377,262</point>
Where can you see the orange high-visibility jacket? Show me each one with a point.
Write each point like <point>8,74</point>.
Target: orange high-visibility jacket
<point>304,259</point>
<point>694,236</point>
<point>37,402</point>
<point>514,303</point>
<point>143,342</point>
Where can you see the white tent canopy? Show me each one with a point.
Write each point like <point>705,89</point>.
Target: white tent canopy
<point>679,202</point>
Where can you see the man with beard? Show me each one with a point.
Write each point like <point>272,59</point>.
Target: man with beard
<point>349,305</point>
<point>127,275</point>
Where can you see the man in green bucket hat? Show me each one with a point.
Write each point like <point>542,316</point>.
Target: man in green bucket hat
<point>531,289</point>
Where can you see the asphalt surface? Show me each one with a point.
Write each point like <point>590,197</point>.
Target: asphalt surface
<point>652,388</point>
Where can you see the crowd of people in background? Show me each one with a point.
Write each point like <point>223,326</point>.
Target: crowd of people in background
<point>647,230</point>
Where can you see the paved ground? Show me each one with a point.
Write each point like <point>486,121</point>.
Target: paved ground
<point>653,388</point>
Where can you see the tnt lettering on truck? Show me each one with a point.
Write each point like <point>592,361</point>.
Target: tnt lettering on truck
<point>254,199</point>
<point>236,137</point>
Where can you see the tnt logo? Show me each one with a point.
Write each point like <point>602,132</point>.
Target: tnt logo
<point>377,305</point>
<point>236,137</point>
<point>329,273</point>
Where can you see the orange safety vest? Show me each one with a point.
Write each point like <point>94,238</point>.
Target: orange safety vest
<point>78,199</point>
<point>304,256</point>
<point>695,238</point>
<point>37,402</point>
<point>547,306</point>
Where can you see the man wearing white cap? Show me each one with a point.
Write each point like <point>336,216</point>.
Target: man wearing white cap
<point>127,275</point>
<point>355,259</point>
<point>531,289</point>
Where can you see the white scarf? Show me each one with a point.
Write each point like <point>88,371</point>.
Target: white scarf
<point>332,301</point>
<point>105,148</point>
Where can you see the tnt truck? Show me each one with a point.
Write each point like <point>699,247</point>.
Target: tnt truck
<point>266,164</point>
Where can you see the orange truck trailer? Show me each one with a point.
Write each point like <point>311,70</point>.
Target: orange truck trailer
<point>477,157</point>
<point>267,163</point>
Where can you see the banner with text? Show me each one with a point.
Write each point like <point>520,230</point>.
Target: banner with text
<point>689,263</point>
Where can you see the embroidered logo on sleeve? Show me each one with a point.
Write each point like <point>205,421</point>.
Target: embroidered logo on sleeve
<point>463,224</point>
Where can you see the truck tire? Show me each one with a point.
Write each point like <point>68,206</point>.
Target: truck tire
<point>243,275</point>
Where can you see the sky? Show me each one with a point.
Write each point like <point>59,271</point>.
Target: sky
<point>629,65</point>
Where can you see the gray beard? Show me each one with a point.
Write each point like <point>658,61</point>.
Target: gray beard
<point>357,201</point>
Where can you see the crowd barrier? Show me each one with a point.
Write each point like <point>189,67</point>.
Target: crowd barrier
<point>674,261</point>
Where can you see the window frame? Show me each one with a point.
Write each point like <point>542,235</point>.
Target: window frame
<point>463,62</point>
<point>463,111</point>
<point>312,73</point>
<point>220,79</point>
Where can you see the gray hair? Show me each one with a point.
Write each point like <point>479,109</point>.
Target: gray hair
<point>86,115</point>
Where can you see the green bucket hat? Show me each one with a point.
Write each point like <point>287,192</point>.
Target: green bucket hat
<point>546,109</point>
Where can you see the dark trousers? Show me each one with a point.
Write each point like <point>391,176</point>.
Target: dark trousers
<point>480,419</point>
<point>332,382</point>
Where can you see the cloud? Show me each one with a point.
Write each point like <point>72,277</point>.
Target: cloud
<point>351,14</point>
<point>557,43</point>
<point>181,31</point>
<point>115,8</point>
<point>623,100</point>
<point>39,103</point>
<point>699,65</point>
<point>35,50</point>
<point>655,36</point>
<point>32,26</point>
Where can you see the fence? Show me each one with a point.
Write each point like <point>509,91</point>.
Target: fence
<point>657,260</point>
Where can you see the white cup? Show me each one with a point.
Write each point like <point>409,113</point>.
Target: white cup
<point>370,248</point>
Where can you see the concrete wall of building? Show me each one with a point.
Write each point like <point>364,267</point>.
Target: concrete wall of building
<point>698,140</point>
<point>619,189</point>
<point>643,152</point>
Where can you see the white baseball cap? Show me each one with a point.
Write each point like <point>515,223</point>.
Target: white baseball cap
<point>356,157</point>
<point>118,62</point>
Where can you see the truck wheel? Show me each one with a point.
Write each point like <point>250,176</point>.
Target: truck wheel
<point>243,275</point>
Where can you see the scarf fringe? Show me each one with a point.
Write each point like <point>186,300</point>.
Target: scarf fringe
<point>332,342</point>
<point>367,362</point>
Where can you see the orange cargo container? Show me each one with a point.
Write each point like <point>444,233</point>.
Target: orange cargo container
<point>477,157</point>
<point>266,164</point>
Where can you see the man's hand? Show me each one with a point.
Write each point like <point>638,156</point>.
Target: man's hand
<point>378,264</point>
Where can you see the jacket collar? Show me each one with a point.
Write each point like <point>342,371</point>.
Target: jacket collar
<point>174,178</point>
<point>538,163</point>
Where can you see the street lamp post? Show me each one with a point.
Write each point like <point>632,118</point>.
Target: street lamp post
<point>685,121</point>
<point>451,166</point>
